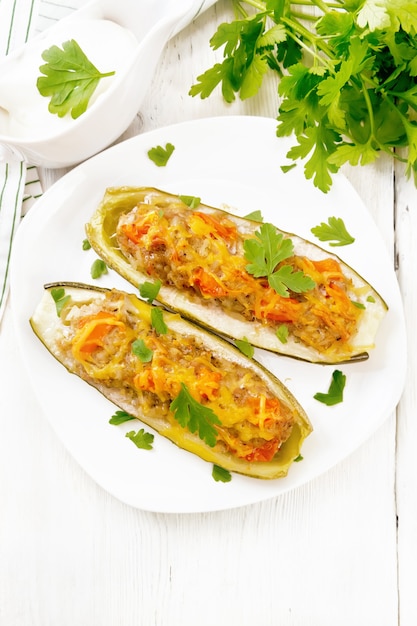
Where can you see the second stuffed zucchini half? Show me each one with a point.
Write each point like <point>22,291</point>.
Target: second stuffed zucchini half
<point>189,385</point>
<point>237,277</point>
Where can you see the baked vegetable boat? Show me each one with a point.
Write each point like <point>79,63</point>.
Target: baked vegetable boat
<point>191,386</point>
<point>238,277</point>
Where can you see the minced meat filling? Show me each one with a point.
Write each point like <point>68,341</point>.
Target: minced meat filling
<point>203,254</point>
<point>102,338</point>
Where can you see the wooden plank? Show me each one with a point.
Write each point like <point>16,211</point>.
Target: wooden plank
<point>406,253</point>
<point>322,555</point>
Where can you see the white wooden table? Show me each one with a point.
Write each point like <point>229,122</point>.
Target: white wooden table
<point>339,551</point>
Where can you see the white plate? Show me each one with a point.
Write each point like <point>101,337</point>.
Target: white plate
<point>233,161</point>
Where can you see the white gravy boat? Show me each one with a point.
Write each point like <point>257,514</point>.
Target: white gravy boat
<point>152,24</point>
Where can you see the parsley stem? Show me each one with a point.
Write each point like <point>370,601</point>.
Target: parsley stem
<point>315,56</point>
<point>304,16</point>
<point>321,5</point>
<point>370,110</point>
<point>324,6</point>
<point>313,39</point>
<point>240,11</point>
<point>404,121</point>
<point>408,96</point>
<point>259,6</point>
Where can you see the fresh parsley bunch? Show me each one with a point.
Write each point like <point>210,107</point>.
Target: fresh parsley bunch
<point>347,77</point>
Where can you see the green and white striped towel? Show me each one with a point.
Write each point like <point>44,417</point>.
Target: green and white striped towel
<point>19,182</point>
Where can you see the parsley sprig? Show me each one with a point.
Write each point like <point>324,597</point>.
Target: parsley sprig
<point>191,201</point>
<point>157,321</point>
<point>265,252</point>
<point>347,82</point>
<point>69,79</point>
<point>141,438</point>
<point>141,350</point>
<point>119,417</point>
<point>193,415</point>
<point>334,231</point>
<point>60,299</point>
<point>98,268</point>
<point>245,347</point>
<point>220,474</point>
<point>149,290</point>
<point>160,155</point>
<point>335,393</point>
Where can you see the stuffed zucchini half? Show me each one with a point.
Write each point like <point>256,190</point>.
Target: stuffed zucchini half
<point>191,386</point>
<point>237,277</point>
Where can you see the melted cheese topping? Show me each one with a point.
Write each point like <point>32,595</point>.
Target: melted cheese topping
<point>203,254</point>
<point>99,338</point>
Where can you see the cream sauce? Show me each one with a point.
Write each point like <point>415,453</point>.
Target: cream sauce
<point>23,111</point>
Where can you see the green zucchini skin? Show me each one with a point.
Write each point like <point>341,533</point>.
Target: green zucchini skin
<point>49,328</point>
<point>101,230</point>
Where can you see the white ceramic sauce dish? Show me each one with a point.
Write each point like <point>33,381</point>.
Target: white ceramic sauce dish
<point>138,31</point>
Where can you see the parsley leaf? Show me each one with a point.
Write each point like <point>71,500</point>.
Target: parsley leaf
<point>195,416</point>
<point>334,231</point>
<point>160,155</point>
<point>157,321</point>
<point>69,79</point>
<point>285,280</point>
<point>119,417</point>
<point>220,474</point>
<point>98,268</point>
<point>335,392</point>
<point>255,216</point>
<point>265,252</point>
<point>282,333</point>
<point>245,347</point>
<point>149,291</point>
<point>243,69</point>
<point>318,142</point>
<point>86,244</point>
<point>141,350</point>
<point>191,201</point>
<point>60,299</point>
<point>141,438</point>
